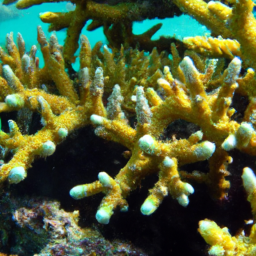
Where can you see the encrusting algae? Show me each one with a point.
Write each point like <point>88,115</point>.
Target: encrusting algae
<point>198,88</point>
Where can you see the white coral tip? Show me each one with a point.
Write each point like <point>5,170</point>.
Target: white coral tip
<point>183,200</point>
<point>188,188</point>
<point>78,192</point>
<point>168,162</point>
<point>148,207</point>
<point>207,226</point>
<point>249,180</point>
<point>245,128</point>
<point>104,179</point>
<point>14,101</point>
<point>205,150</point>
<point>16,175</point>
<point>229,143</point>
<point>62,133</point>
<point>216,250</point>
<point>95,119</point>
<point>103,215</point>
<point>147,144</point>
<point>48,148</point>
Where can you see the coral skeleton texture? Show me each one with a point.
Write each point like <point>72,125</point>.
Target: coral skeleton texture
<point>131,98</point>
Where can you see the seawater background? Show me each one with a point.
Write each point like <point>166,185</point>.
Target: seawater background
<point>28,20</point>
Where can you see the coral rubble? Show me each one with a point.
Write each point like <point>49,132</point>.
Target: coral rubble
<point>40,226</point>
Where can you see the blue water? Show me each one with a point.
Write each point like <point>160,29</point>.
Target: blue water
<point>28,20</point>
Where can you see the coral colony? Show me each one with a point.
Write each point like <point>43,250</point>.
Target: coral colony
<point>197,85</point>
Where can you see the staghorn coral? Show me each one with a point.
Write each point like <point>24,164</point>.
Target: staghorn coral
<point>229,22</point>
<point>56,115</point>
<point>68,104</point>
<point>199,92</point>
<point>189,102</point>
<point>235,23</point>
<point>105,15</point>
<point>68,112</point>
<point>185,99</point>
<point>214,47</point>
<point>181,99</point>
<point>222,243</point>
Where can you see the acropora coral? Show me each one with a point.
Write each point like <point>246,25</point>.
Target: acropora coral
<point>133,99</point>
<point>116,19</point>
<point>62,114</point>
<point>222,243</point>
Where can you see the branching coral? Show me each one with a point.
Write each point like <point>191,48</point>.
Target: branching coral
<point>159,91</point>
<point>77,103</point>
<point>152,123</point>
<point>189,102</point>
<point>222,243</point>
<point>64,105</point>
<point>236,22</point>
<point>120,34</point>
<point>105,15</point>
<point>61,113</point>
<point>214,47</point>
